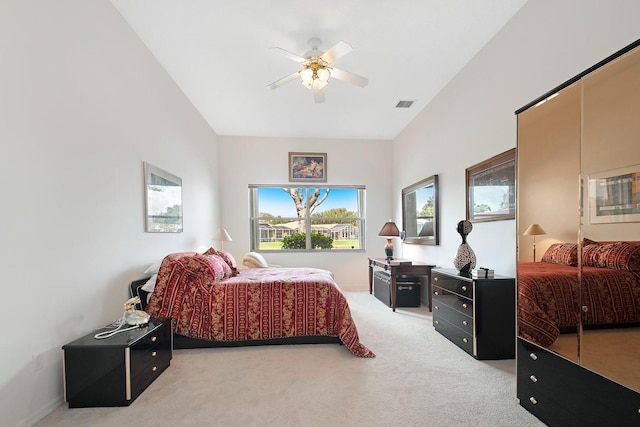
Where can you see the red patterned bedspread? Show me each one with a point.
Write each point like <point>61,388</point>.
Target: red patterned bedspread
<point>257,304</point>
<point>548,296</point>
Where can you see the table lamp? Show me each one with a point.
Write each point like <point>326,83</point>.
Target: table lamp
<point>222,236</point>
<point>534,230</point>
<point>389,230</point>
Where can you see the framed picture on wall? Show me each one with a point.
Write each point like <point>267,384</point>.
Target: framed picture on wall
<point>491,188</point>
<point>163,201</point>
<point>307,167</point>
<point>614,196</point>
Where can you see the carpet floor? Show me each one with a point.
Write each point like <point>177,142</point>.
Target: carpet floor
<point>418,378</point>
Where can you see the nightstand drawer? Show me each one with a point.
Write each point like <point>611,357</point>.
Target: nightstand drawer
<point>142,379</point>
<point>151,349</point>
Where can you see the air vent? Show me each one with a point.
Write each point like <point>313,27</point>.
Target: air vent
<point>404,104</point>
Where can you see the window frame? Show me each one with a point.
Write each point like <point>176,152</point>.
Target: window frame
<point>254,218</point>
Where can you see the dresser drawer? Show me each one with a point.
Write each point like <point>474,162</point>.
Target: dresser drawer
<point>453,284</point>
<point>454,334</point>
<point>442,311</point>
<point>455,301</point>
<point>563,387</point>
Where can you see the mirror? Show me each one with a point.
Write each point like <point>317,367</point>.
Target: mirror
<point>577,137</point>
<point>420,219</point>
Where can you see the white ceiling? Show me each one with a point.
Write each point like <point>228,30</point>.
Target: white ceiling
<point>217,51</point>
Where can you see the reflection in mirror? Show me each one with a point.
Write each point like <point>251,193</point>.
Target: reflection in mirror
<point>581,300</point>
<point>610,160</point>
<point>420,219</point>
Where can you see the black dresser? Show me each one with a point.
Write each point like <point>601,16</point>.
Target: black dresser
<point>562,393</point>
<point>478,315</point>
<point>116,370</point>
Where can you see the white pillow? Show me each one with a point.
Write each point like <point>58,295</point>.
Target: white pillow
<point>254,260</point>
<point>153,268</point>
<point>151,284</point>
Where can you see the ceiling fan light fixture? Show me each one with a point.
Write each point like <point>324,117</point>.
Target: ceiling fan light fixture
<point>316,70</point>
<point>306,75</point>
<point>323,74</point>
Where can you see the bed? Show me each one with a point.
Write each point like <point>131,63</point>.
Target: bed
<point>551,300</point>
<point>213,304</point>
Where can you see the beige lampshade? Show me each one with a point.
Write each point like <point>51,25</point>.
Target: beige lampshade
<point>222,236</point>
<point>390,229</point>
<point>534,230</point>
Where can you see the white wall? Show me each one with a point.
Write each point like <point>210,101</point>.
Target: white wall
<point>82,105</point>
<point>472,119</point>
<point>255,160</point>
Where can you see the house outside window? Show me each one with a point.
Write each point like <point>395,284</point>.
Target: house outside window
<point>307,218</point>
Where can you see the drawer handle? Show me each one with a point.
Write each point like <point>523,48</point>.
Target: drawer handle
<point>533,356</point>
<point>154,353</point>
<point>464,288</point>
<point>436,322</point>
<point>465,305</point>
<point>154,339</point>
<point>155,368</point>
<point>435,279</point>
<point>533,379</point>
<point>437,307</point>
<point>465,323</point>
<point>465,340</point>
<point>436,293</point>
<point>533,400</point>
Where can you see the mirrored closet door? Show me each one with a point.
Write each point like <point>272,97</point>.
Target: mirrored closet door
<point>579,179</point>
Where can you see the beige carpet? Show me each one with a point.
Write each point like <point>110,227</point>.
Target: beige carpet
<point>417,379</point>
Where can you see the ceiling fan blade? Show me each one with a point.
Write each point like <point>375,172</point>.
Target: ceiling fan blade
<point>340,49</point>
<point>318,93</point>
<point>289,55</point>
<point>284,80</point>
<point>349,77</point>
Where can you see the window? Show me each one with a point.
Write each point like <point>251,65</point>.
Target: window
<point>306,218</point>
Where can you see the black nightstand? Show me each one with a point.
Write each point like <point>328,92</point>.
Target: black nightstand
<point>116,370</point>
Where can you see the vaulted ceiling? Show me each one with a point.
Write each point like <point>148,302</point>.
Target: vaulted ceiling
<point>217,52</point>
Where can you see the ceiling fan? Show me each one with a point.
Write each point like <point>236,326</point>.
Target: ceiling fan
<point>316,68</point>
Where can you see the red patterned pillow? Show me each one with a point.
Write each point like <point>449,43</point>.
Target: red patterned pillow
<point>616,255</point>
<point>562,253</point>
<point>227,258</point>
<point>205,268</point>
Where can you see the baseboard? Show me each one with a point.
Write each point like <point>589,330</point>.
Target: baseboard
<point>41,413</point>
<point>353,288</point>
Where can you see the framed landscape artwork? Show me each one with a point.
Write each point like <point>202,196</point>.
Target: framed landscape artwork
<point>307,167</point>
<point>491,188</point>
<point>163,201</point>
<point>614,196</point>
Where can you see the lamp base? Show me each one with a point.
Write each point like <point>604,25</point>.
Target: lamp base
<point>389,252</point>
